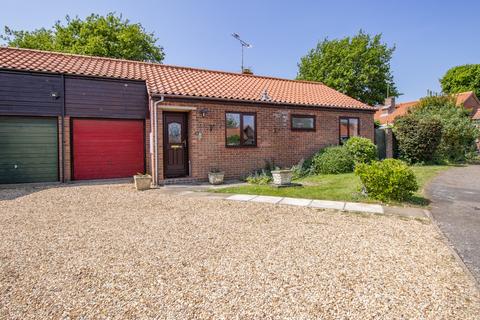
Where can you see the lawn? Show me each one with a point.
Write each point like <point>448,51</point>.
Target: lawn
<point>342,187</point>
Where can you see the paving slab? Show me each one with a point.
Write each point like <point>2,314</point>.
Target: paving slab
<point>363,207</point>
<point>241,197</point>
<point>296,202</point>
<point>266,199</point>
<point>326,204</point>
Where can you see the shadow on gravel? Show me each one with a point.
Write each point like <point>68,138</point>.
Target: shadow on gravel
<point>14,191</point>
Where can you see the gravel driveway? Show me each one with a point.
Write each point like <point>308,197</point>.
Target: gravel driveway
<point>109,252</point>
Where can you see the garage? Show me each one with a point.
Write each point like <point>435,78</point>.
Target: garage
<point>28,149</point>
<point>107,148</point>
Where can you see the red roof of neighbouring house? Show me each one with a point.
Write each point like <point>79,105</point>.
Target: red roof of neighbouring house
<point>402,108</point>
<point>181,81</point>
<point>476,115</point>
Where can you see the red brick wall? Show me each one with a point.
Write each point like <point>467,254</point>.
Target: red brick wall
<point>275,141</point>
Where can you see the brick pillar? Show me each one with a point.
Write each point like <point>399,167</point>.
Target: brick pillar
<point>148,151</point>
<point>64,171</point>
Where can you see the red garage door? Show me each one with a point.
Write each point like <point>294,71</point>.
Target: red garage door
<point>105,149</point>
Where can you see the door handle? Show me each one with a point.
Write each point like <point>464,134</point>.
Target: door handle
<point>176,146</point>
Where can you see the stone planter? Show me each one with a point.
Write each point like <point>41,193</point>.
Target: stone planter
<point>282,177</point>
<point>142,182</point>
<point>216,177</point>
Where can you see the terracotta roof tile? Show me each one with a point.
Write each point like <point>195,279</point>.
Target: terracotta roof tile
<point>181,81</point>
<point>400,110</point>
<point>476,116</point>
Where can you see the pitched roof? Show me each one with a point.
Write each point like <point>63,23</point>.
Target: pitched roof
<point>402,108</point>
<point>464,96</point>
<point>476,115</point>
<point>181,81</point>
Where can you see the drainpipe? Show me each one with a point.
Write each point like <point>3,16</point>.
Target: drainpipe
<point>155,136</point>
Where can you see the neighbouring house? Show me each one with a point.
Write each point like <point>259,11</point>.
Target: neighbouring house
<point>70,117</point>
<point>387,113</point>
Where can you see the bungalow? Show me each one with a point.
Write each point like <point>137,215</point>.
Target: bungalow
<point>70,117</point>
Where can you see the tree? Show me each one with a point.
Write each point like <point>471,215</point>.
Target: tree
<point>461,79</point>
<point>358,67</point>
<point>105,36</point>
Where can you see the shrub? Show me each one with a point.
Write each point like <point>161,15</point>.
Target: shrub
<point>418,137</point>
<point>362,149</point>
<point>259,177</point>
<point>332,160</point>
<point>302,169</point>
<point>390,179</point>
<point>458,130</point>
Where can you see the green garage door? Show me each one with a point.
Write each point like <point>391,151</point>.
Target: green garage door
<point>28,149</point>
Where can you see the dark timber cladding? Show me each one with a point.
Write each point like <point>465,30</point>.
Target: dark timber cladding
<point>28,149</point>
<point>101,98</point>
<point>23,93</point>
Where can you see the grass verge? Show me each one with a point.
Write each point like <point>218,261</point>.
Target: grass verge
<point>341,187</point>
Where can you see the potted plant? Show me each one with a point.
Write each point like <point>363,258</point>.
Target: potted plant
<point>282,177</point>
<point>215,176</point>
<point>142,181</point>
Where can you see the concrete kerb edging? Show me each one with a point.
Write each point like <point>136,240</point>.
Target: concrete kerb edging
<point>310,203</point>
<point>453,251</point>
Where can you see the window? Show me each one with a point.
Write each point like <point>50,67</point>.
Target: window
<point>302,122</point>
<point>240,129</point>
<point>174,133</point>
<point>349,127</point>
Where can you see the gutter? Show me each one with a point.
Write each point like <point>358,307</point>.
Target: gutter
<point>289,104</point>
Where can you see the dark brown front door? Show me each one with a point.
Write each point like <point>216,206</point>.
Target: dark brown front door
<point>175,144</point>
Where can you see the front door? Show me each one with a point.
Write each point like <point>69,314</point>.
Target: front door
<point>175,144</point>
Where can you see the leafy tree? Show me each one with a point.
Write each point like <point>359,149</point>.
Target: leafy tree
<point>358,66</point>
<point>105,36</point>
<point>461,79</point>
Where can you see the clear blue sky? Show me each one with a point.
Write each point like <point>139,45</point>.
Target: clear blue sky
<point>430,36</point>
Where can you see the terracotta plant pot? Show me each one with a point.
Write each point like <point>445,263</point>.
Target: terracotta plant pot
<point>216,177</point>
<point>282,177</point>
<point>142,182</point>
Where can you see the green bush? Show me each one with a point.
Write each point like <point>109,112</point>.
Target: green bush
<point>363,150</point>
<point>458,130</point>
<point>259,177</point>
<point>302,169</point>
<point>386,180</point>
<point>418,137</point>
<point>332,160</point>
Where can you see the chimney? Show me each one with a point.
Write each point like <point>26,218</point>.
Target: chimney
<point>390,101</point>
<point>389,105</point>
